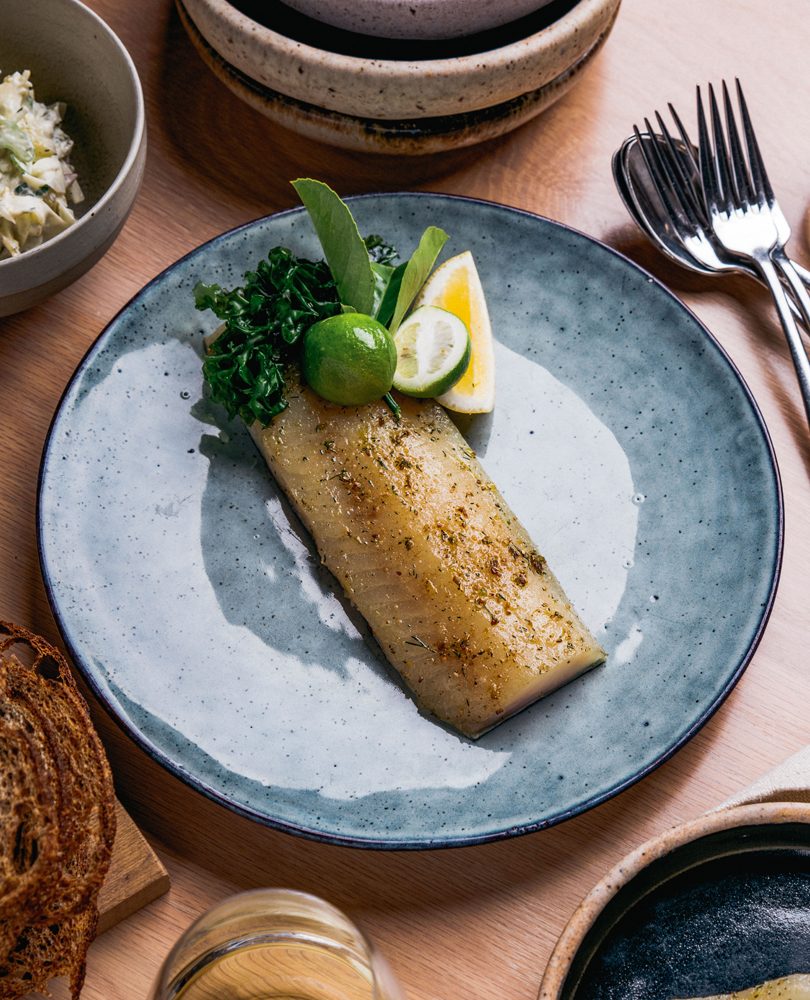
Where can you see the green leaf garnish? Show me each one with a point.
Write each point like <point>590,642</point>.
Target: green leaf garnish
<point>381,255</point>
<point>414,275</point>
<point>16,143</point>
<point>382,279</point>
<point>343,246</point>
<point>385,310</point>
<point>264,321</point>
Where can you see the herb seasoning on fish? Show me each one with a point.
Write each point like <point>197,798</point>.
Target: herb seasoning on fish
<point>402,513</point>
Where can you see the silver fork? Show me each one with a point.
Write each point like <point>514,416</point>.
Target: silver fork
<point>745,216</point>
<point>673,173</point>
<point>640,190</point>
<point>686,216</point>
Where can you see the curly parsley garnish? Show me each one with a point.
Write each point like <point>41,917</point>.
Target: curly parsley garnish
<point>380,252</point>
<point>264,322</point>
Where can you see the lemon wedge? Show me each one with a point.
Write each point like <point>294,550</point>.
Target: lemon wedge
<point>456,287</point>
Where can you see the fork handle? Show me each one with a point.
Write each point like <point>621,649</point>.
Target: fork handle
<point>768,269</point>
<point>797,278</point>
<point>802,272</point>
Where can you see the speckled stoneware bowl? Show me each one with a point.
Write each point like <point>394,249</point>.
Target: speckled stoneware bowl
<point>327,70</point>
<point>407,137</point>
<point>199,612</point>
<point>717,905</point>
<point>74,57</point>
<point>416,18</point>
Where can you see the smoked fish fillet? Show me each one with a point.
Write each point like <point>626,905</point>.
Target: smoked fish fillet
<point>425,547</point>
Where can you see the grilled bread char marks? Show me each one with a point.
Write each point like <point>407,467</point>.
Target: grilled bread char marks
<point>426,548</point>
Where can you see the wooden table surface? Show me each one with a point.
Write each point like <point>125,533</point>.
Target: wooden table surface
<point>480,922</point>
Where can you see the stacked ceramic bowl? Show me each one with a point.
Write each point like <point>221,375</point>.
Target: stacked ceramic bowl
<point>399,76</point>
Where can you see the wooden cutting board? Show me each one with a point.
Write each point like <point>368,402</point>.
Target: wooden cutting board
<point>136,875</point>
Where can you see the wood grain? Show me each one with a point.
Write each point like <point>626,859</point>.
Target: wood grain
<point>477,923</point>
<point>136,876</point>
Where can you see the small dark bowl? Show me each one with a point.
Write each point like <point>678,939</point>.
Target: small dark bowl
<point>715,906</point>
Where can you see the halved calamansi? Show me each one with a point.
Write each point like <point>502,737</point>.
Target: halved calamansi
<point>433,352</point>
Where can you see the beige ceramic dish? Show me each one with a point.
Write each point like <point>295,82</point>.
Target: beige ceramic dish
<point>392,89</point>
<point>573,944</point>
<point>74,57</point>
<point>401,138</point>
<point>416,18</point>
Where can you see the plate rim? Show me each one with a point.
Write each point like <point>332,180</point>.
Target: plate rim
<point>164,760</point>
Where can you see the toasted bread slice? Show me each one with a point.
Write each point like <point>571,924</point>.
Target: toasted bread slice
<point>48,950</point>
<point>56,787</point>
<point>29,834</point>
<point>84,789</point>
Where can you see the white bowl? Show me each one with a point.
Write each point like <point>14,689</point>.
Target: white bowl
<point>74,57</point>
<point>416,18</point>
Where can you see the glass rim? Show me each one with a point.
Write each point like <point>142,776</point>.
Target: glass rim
<point>166,975</point>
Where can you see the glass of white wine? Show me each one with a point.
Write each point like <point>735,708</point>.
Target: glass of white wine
<point>274,944</point>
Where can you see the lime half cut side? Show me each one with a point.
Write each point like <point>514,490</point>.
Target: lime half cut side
<point>433,352</point>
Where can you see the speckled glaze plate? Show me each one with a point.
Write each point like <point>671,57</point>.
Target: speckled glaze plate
<point>193,603</point>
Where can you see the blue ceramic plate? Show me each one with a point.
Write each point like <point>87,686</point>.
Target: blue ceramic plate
<point>193,603</point>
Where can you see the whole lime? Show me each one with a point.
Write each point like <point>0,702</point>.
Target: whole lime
<point>349,359</point>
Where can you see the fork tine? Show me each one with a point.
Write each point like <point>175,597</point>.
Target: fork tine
<point>742,177</point>
<point>721,153</point>
<point>706,158</point>
<point>685,140</point>
<point>676,159</point>
<point>664,170</point>
<point>689,158</point>
<point>664,164</point>
<point>762,186</point>
<point>658,177</point>
<point>688,154</point>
